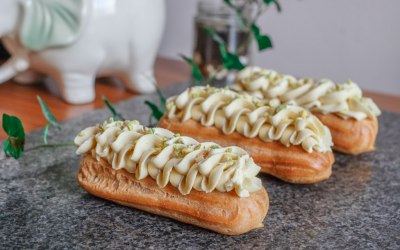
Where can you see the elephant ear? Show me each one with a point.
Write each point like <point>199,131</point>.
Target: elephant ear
<point>51,23</point>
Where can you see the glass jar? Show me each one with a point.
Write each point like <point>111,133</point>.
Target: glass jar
<point>216,15</point>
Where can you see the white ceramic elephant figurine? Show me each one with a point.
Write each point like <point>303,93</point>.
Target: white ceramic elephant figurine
<point>73,41</point>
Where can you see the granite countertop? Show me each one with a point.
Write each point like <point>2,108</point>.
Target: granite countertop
<point>42,205</point>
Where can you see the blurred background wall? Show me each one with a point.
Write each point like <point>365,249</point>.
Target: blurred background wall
<point>336,39</point>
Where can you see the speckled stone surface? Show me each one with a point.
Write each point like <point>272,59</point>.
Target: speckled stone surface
<point>42,205</point>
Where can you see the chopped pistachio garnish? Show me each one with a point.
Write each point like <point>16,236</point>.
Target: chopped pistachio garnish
<point>304,113</point>
<point>294,84</point>
<point>150,131</point>
<point>323,81</point>
<point>228,157</point>
<point>280,108</point>
<point>130,125</point>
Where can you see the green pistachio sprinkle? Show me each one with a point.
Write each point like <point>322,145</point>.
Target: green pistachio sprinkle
<point>304,114</point>
<point>150,131</point>
<point>228,157</point>
<point>196,94</point>
<point>279,108</point>
<point>323,81</point>
<point>176,148</point>
<point>130,126</point>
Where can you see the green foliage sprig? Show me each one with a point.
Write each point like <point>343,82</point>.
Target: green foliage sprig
<point>274,2</point>
<point>52,121</point>
<point>263,41</point>
<point>14,144</point>
<point>249,23</point>
<point>196,73</point>
<point>116,116</point>
<point>230,60</point>
<point>199,79</point>
<point>157,111</point>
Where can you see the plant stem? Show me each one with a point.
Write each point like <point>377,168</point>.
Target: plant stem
<point>45,132</point>
<point>247,23</point>
<point>56,145</point>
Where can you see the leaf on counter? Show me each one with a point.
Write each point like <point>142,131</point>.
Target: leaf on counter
<point>45,132</point>
<point>156,112</point>
<point>14,144</point>
<point>116,116</point>
<point>47,113</point>
<point>163,100</point>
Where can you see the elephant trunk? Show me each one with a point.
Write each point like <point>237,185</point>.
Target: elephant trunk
<point>12,67</point>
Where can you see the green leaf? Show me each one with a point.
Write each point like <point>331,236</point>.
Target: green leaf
<point>116,116</point>
<point>196,73</point>
<point>163,100</point>
<point>156,112</point>
<point>223,51</point>
<point>243,21</point>
<point>14,144</point>
<point>215,36</point>
<point>229,3</point>
<point>275,2</point>
<point>12,125</point>
<point>47,113</point>
<point>45,132</point>
<point>230,60</point>
<point>263,41</point>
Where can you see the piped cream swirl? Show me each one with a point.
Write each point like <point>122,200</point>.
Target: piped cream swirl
<point>251,117</point>
<point>324,96</point>
<point>170,159</point>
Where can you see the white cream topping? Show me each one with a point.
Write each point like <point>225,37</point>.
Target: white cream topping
<point>170,159</point>
<point>324,96</point>
<point>251,117</point>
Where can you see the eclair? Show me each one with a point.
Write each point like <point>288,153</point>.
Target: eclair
<point>351,118</point>
<point>287,141</point>
<point>163,173</point>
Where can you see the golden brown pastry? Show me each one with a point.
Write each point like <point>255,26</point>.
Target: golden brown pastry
<point>351,117</point>
<point>287,142</point>
<point>175,176</point>
<point>351,136</point>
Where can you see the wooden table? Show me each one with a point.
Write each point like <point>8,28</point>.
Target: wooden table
<point>21,100</point>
